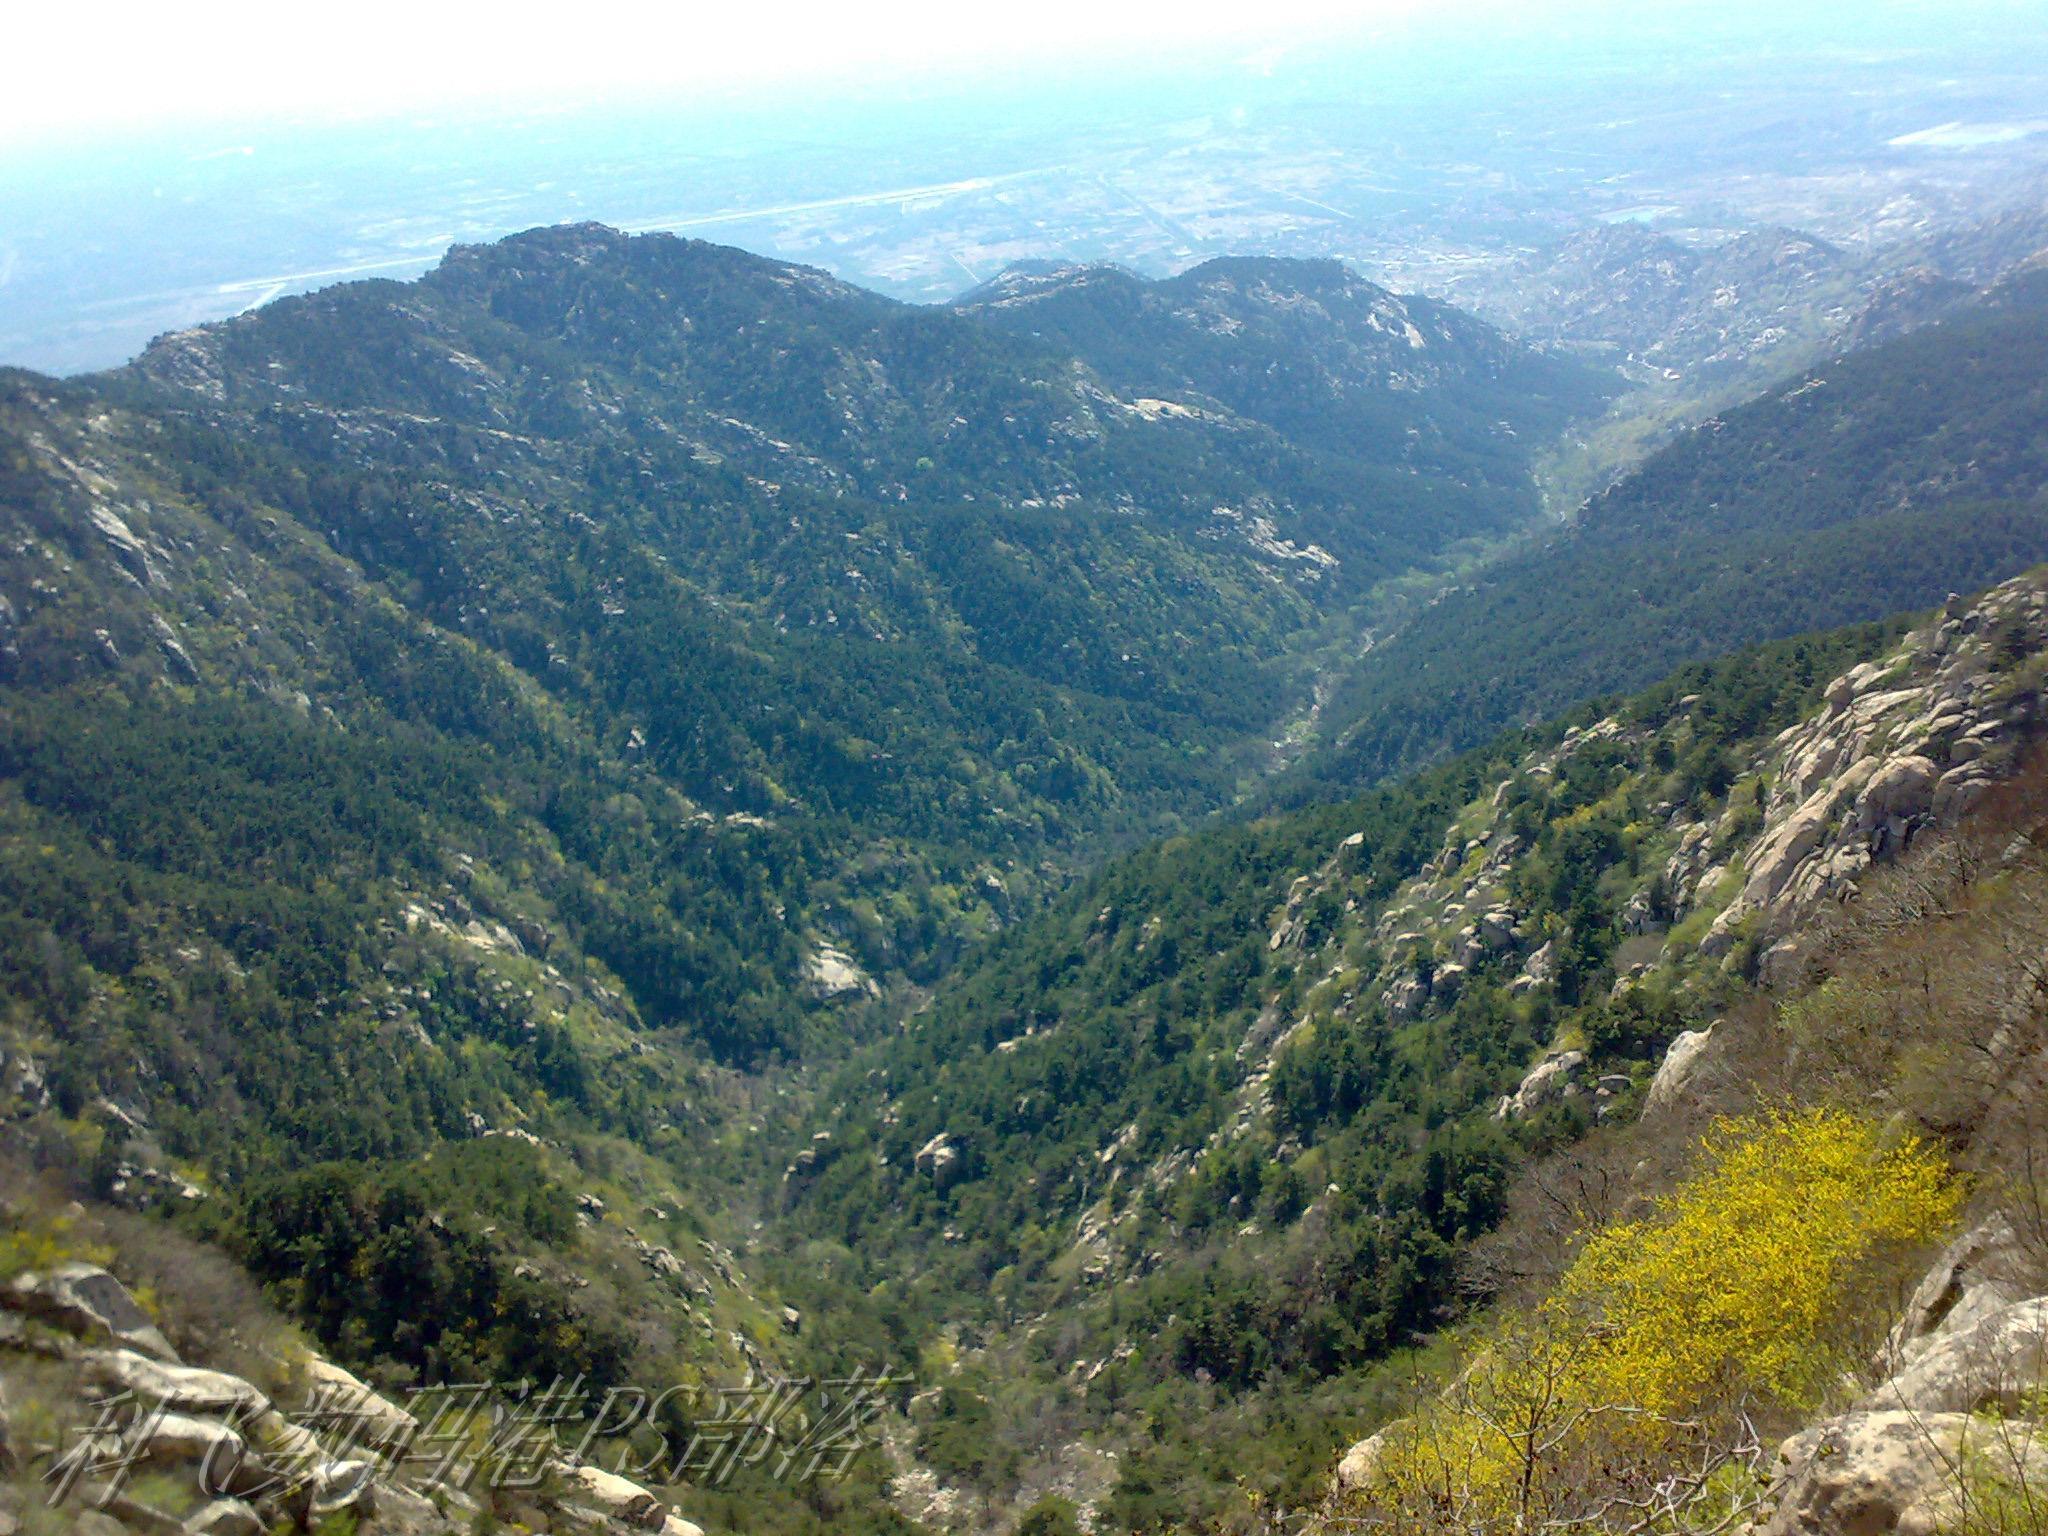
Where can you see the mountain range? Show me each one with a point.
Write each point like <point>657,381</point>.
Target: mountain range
<point>630,811</point>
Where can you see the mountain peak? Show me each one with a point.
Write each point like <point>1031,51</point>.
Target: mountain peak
<point>1308,273</point>
<point>1028,282</point>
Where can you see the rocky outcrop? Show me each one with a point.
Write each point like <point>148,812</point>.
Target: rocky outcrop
<point>177,660</point>
<point>1995,1362</point>
<point>1540,970</point>
<point>1952,1412</point>
<point>1867,1474</point>
<point>1906,742</point>
<point>1552,1080</point>
<point>1903,743</point>
<point>85,1299</point>
<point>940,1161</point>
<point>831,973</point>
<point>220,1440</point>
<point>1675,1074</point>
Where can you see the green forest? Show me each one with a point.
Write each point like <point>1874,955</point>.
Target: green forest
<point>630,811</point>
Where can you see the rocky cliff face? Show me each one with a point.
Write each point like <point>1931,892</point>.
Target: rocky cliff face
<point>1905,743</point>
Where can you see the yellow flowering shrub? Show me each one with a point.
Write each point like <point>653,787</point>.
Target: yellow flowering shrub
<point>43,1241</point>
<point>1735,1288</point>
<point>1483,1456</point>
<point>1739,1280</point>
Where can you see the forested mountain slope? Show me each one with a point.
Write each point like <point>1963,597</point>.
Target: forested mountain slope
<point>1310,349</point>
<point>560,810</point>
<point>1802,1291</point>
<point>1223,1125</point>
<point>856,619</point>
<point>457,734</point>
<point>1877,481</point>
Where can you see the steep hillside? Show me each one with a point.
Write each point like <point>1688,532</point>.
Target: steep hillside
<point>1881,480</point>
<point>462,739</point>
<point>1801,1293</point>
<point>1223,1126</point>
<point>1310,349</point>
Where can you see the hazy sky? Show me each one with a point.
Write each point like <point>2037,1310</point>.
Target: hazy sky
<point>125,64</point>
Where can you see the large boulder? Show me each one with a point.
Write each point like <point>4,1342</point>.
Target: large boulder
<point>1899,790</point>
<point>220,1455</point>
<point>341,1397</point>
<point>181,1388</point>
<point>1960,789</point>
<point>940,1161</point>
<point>1540,969</point>
<point>618,1498</point>
<point>1358,1465</point>
<point>1497,928</point>
<point>1867,1474</point>
<point>1555,1077</point>
<point>1980,1273</point>
<point>1785,962</point>
<point>84,1299</point>
<point>1406,998</point>
<point>1675,1074</point>
<point>1996,1362</point>
<point>1775,859</point>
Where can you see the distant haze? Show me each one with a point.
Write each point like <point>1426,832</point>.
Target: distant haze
<point>136,62</point>
<point>163,166</point>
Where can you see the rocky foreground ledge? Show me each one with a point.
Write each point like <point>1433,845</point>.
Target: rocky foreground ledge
<point>103,1422</point>
<point>1951,1410</point>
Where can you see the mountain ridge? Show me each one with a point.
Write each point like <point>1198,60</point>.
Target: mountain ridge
<point>1818,501</point>
<point>651,806</point>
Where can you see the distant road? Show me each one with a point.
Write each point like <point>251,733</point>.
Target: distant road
<point>855,200</point>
